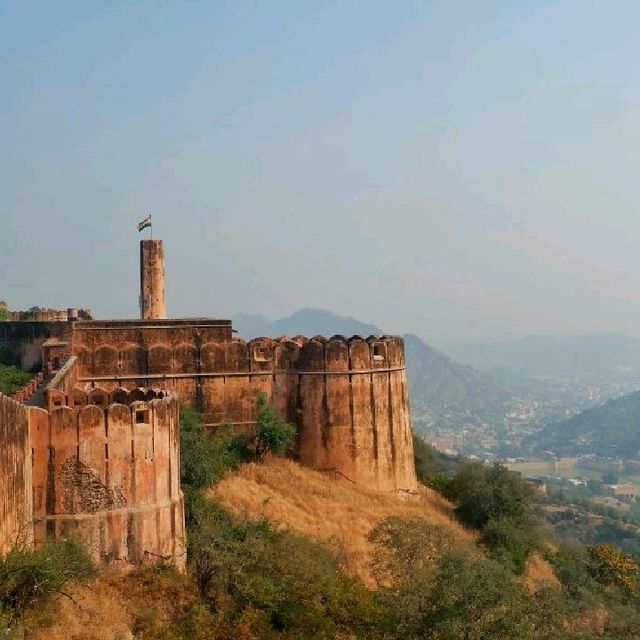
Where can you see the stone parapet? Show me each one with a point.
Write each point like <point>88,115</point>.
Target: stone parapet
<point>109,474</point>
<point>347,396</point>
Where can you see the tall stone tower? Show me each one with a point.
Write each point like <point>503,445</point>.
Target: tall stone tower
<point>152,296</point>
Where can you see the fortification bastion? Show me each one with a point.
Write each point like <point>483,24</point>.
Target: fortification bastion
<point>96,452</point>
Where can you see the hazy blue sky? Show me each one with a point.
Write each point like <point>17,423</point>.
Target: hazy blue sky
<point>460,169</point>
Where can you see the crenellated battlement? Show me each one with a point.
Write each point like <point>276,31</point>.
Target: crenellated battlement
<point>161,360</point>
<point>346,395</point>
<point>77,398</point>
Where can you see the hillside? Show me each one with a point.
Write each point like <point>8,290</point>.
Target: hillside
<point>592,358</point>
<point>311,504</point>
<point>445,392</point>
<point>608,430</point>
<point>154,603</point>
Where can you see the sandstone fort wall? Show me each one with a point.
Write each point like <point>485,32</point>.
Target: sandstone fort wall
<point>109,475</point>
<point>103,472</point>
<point>347,397</point>
<point>15,475</point>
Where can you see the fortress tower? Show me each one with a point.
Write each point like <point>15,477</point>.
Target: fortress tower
<point>152,295</point>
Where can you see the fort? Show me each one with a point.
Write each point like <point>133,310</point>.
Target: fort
<point>94,452</point>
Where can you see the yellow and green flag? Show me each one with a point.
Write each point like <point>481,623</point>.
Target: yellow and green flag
<point>145,223</point>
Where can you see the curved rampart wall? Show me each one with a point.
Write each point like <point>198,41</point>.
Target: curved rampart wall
<point>353,412</point>
<point>348,397</point>
<point>109,474</point>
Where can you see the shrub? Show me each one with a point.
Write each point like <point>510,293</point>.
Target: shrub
<point>204,459</point>
<point>285,584</point>
<point>429,470</point>
<point>571,566</point>
<point>484,492</point>
<point>406,545</point>
<point>272,435</point>
<point>511,541</point>
<point>613,567</point>
<point>27,577</point>
<point>12,379</point>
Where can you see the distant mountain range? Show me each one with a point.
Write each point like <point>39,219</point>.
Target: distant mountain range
<point>443,392</point>
<point>610,430</point>
<point>593,358</point>
<point>307,322</point>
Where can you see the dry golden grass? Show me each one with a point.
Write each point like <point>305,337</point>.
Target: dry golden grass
<point>309,503</point>
<point>97,611</point>
<point>539,574</point>
<point>114,607</point>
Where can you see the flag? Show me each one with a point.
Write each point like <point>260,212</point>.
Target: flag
<point>145,223</point>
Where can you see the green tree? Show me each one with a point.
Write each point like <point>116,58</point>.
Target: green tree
<point>204,459</point>
<point>483,492</point>
<point>272,434</point>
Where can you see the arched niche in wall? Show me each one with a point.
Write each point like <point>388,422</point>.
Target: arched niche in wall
<point>133,359</point>
<point>212,357</point>
<point>159,359</point>
<point>105,361</point>
<point>119,396</point>
<point>99,397</point>
<point>185,358</point>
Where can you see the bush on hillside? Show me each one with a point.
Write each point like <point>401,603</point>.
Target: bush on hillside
<point>612,567</point>
<point>429,469</point>
<point>483,492</point>
<point>204,459</point>
<point>28,577</point>
<point>286,585</point>
<point>437,589</point>
<point>511,541</point>
<point>405,545</point>
<point>498,503</point>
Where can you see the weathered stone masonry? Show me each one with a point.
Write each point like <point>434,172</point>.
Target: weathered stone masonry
<point>109,474</point>
<point>347,397</point>
<point>15,475</point>
<point>106,473</point>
